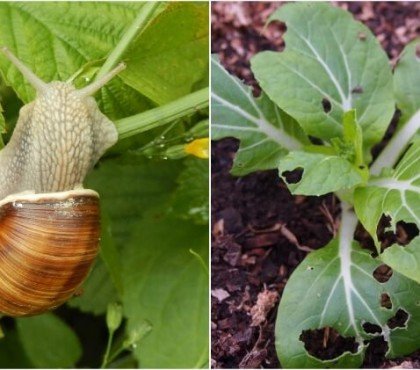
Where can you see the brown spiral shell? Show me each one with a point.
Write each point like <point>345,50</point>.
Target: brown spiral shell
<point>48,243</point>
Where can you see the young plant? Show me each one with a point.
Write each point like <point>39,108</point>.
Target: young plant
<point>327,99</point>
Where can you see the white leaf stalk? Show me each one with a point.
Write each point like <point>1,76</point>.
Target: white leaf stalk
<point>389,156</point>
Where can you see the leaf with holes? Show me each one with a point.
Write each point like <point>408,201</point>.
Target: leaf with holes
<point>335,288</point>
<point>404,259</point>
<point>322,173</point>
<point>396,195</point>
<point>331,64</point>
<point>266,133</point>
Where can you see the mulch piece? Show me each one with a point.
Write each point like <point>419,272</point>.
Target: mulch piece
<point>260,232</point>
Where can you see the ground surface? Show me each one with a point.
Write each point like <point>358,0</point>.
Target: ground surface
<point>259,229</point>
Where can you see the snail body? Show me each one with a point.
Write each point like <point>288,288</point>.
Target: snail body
<point>49,224</point>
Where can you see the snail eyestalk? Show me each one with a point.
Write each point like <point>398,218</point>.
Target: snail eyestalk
<point>95,86</point>
<point>33,79</point>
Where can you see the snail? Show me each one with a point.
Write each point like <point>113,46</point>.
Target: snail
<point>50,224</point>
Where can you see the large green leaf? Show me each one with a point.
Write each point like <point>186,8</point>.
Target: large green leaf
<point>334,287</point>
<point>97,291</point>
<point>191,199</point>
<point>12,353</point>
<point>396,195</point>
<point>129,186</point>
<point>162,65</point>
<point>167,286</point>
<point>266,133</point>
<point>407,81</point>
<point>322,173</point>
<point>48,341</point>
<point>331,64</point>
<point>56,39</point>
<point>170,58</point>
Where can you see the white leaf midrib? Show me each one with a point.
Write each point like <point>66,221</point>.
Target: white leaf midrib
<point>346,103</point>
<point>280,137</point>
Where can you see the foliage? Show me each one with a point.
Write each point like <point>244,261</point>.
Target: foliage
<point>333,81</point>
<point>145,302</point>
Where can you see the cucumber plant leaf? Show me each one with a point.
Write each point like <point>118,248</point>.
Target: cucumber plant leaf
<point>48,341</point>
<point>170,58</point>
<point>335,64</point>
<point>191,199</point>
<point>97,292</point>
<point>334,287</point>
<point>166,286</point>
<point>266,133</point>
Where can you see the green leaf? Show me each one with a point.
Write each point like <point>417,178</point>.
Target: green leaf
<point>166,285</point>
<point>48,341</point>
<point>12,353</point>
<point>331,64</point>
<point>97,291</point>
<point>110,254</point>
<point>396,195</point>
<point>170,57</point>
<point>191,199</point>
<point>334,287</point>
<point>266,133</point>
<point>42,36</point>
<point>407,81</point>
<point>129,186</point>
<point>404,259</point>
<point>322,173</point>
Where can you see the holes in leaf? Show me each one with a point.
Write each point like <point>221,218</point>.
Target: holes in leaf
<point>405,232</point>
<point>376,351</point>
<point>357,90</point>
<point>293,177</point>
<point>386,301</point>
<point>399,320</point>
<point>382,273</point>
<point>326,105</point>
<point>371,328</point>
<point>327,343</point>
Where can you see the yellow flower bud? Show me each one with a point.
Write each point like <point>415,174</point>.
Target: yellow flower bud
<point>198,147</point>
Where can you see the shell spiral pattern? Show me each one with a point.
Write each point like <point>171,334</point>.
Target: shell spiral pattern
<point>47,246</point>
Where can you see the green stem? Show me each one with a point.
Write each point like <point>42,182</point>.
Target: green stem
<point>138,26</point>
<point>108,349</point>
<point>160,116</point>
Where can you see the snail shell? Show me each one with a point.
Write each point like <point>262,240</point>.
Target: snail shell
<point>48,243</point>
<point>49,224</point>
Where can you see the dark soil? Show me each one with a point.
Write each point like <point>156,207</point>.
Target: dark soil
<point>261,232</point>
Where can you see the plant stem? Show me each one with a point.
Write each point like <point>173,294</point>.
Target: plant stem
<point>108,349</point>
<point>389,156</point>
<point>160,116</point>
<point>138,26</point>
<point>347,228</point>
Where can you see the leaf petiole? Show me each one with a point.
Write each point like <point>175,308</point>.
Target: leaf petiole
<point>164,114</point>
<point>139,24</point>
